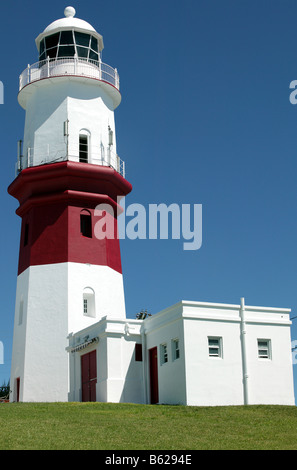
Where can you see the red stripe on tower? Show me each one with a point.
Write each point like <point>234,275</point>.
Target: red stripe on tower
<point>54,203</point>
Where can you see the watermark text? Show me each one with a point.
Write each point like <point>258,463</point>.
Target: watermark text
<point>158,221</point>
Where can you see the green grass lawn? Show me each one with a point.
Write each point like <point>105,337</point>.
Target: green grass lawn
<point>104,426</point>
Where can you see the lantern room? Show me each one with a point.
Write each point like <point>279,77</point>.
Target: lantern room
<point>69,37</point>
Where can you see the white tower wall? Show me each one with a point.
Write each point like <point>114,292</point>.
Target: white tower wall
<point>50,301</point>
<point>87,108</point>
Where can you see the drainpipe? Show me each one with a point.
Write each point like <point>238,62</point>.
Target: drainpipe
<point>244,352</point>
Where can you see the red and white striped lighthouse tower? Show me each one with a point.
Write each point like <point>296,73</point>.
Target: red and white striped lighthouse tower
<point>67,279</point>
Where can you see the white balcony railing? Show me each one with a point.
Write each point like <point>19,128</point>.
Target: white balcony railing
<point>45,154</point>
<point>69,66</point>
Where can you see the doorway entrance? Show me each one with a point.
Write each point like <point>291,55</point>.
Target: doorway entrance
<point>153,365</point>
<point>89,376</point>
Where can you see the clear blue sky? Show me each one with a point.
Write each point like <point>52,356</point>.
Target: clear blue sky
<point>205,119</point>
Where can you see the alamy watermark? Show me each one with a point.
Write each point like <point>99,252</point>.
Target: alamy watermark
<point>293,94</point>
<point>158,221</point>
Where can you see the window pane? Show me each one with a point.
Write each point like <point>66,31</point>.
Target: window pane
<point>51,53</point>
<point>85,306</point>
<point>164,356</point>
<point>82,52</point>
<point>82,39</point>
<point>83,148</point>
<point>66,37</point>
<point>86,225</point>
<point>94,43</point>
<point>213,351</point>
<point>41,50</point>
<point>52,40</point>
<point>263,352</point>
<point>66,51</point>
<point>94,56</point>
<point>213,342</point>
<point>175,348</point>
<point>42,57</point>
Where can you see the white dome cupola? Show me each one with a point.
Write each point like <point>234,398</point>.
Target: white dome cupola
<point>69,37</point>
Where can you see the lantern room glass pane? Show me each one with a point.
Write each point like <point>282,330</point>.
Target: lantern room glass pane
<point>41,47</point>
<point>94,43</point>
<point>82,52</point>
<point>66,37</point>
<point>93,56</point>
<point>66,51</point>
<point>52,41</point>
<point>82,39</point>
<point>52,53</point>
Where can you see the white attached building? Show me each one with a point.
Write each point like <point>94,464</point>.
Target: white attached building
<point>192,353</point>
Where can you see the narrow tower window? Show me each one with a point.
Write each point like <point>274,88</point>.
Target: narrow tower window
<point>86,224</point>
<point>83,148</point>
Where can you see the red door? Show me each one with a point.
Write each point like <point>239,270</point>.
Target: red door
<point>153,360</point>
<point>89,376</point>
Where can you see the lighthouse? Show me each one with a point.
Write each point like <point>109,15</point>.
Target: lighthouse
<point>67,166</point>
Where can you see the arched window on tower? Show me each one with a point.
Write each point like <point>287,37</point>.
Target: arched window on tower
<point>89,302</point>
<point>86,223</point>
<point>84,146</point>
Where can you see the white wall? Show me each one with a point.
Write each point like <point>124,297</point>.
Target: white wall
<point>53,308</point>
<point>108,287</point>
<point>86,105</point>
<point>163,328</point>
<point>19,335</point>
<point>90,108</point>
<point>119,376</point>
<point>219,381</point>
<point>212,381</point>
<point>270,381</point>
<point>46,112</point>
<point>39,344</point>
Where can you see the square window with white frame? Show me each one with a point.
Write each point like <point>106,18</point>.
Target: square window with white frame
<point>215,346</point>
<point>264,349</point>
